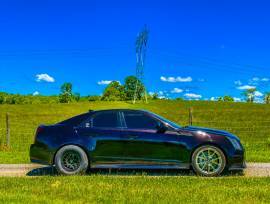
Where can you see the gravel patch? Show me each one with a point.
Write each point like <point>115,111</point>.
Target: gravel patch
<point>18,170</point>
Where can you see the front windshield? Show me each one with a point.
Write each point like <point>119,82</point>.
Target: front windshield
<point>174,125</point>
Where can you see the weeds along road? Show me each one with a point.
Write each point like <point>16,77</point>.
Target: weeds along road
<point>20,170</point>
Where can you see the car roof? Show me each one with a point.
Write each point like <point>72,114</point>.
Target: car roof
<point>121,109</point>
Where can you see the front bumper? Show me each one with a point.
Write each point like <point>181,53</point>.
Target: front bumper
<point>238,166</point>
<point>237,161</point>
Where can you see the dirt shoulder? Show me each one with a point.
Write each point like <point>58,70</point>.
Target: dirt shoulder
<point>18,170</point>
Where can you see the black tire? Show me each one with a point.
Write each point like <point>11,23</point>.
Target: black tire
<point>71,160</point>
<point>215,161</point>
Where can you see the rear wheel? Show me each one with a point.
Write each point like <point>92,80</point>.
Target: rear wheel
<point>70,160</point>
<point>208,160</point>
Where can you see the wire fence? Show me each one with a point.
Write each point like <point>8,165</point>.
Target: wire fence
<point>21,128</point>
<point>250,126</point>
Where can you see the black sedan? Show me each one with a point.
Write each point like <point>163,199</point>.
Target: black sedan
<point>124,138</point>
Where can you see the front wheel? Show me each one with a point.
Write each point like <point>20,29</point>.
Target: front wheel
<point>208,160</point>
<point>70,160</point>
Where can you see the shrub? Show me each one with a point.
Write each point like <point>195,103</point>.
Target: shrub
<point>94,98</point>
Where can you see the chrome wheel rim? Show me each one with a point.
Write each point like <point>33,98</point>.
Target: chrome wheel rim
<point>71,160</point>
<point>209,160</point>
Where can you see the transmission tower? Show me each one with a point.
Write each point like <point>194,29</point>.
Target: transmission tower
<point>141,46</point>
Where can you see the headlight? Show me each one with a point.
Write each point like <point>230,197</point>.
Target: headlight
<point>235,143</point>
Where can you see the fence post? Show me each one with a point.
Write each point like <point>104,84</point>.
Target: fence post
<point>8,130</point>
<point>190,116</point>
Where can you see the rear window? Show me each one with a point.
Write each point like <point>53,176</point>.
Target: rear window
<point>105,120</point>
<point>76,120</point>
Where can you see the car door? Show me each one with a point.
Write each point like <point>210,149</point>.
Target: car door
<point>104,130</point>
<point>145,146</point>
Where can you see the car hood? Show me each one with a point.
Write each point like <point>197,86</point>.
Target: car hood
<point>211,131</point>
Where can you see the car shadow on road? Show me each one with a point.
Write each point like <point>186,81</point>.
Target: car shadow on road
<point>43,171</point>
<point>51,171</point>
<point>141,172</point>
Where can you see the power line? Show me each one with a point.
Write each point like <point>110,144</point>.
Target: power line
<point>208,62</point>
<point>78,52</point>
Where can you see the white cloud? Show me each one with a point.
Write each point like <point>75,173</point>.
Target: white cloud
<point>163,97</point>
<point>265,79</point>
<point>161,93</point>
<point>236,99</point>
<point>258,94</point>
<point>213,98</point>
<point>176,90</point>
<point>193,95</point>
<point>162,78</point>
<point>44,77</point>
<point>35,93</point>
<point>105,82</point>
<point>238,83</point>
<point>151,93</point>
<point>245,87</point>
<point>201,80</point>
<point>253,82</point>
<point>176,79</point>
<point>255,79</point>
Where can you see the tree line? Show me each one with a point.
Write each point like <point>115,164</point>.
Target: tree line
<point>114,91</point>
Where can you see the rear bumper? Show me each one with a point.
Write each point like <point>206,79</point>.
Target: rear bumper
<point>41,155</point>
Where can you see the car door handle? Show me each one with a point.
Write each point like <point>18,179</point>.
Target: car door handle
<point>132,136</point>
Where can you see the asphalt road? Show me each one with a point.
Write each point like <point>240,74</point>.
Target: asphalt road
<point>19,170</point>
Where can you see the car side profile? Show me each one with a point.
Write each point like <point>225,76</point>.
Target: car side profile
<point>137,139</point>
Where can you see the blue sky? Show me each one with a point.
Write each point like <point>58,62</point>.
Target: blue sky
<point>197,49</point>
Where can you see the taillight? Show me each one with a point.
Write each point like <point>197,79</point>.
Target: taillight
<point>39,130</point>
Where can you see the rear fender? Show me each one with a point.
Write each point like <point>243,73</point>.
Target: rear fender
<point>87,145</point>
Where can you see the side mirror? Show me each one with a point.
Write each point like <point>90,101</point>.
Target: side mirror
<point>161,128</point>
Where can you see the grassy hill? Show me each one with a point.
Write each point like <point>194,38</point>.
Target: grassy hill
<point>250,122</point>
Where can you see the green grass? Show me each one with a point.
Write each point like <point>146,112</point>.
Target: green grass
<point>250,122</point>
<point>134,189</point>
